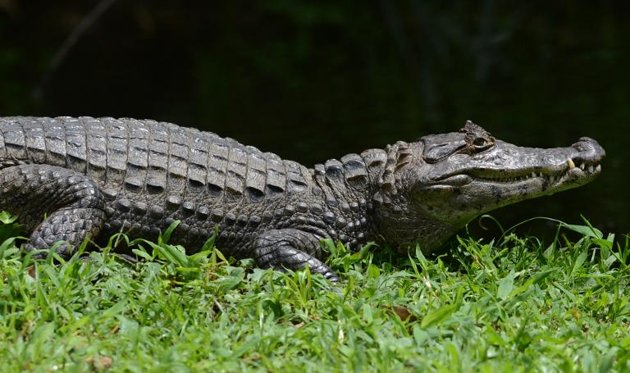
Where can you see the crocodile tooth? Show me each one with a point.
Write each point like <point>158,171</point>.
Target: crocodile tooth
<point>598,168</point>
<point>570,163</point>
<point>582,166</point>
<point>533,174</point>
<point>590,168</point>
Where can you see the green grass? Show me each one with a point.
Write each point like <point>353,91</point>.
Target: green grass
<point>516,305</point>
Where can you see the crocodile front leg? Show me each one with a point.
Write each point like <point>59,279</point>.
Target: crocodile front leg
<point>291,249</point>
<point>71,203</point>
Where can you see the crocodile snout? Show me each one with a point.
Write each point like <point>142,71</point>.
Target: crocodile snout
<point>589,150</point>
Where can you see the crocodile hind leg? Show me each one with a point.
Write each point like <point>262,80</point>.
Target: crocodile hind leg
<point>290,248</point>
<point>55,203</point>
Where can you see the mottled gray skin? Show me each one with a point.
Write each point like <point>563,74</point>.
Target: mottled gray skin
<point>70,179</point>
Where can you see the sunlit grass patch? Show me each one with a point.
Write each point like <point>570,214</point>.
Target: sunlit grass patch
<point>515,304</point>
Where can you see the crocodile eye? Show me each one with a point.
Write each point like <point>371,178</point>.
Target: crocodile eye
<point>480,142</point>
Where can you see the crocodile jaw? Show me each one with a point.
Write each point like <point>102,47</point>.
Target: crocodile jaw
<point>520,184</point>
<point>506,173</point>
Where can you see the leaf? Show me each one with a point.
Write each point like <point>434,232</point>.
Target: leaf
<point>506,285</point>
<point>373,271</point>
<point>538,277</point>
<point>188,273</point>
<point>114,310</point>
<point>579,261</point>
<point>175,254</point>
<point>6,218</point>
<point>166,236</point>
<point>209,244</point>
<point>43,333</point>
<point>7,244</point>
<point>436,316</point>
<point>584,230</point>
<point>143,254</point>
<point>171,253</point>
<point>605,243</point>
<point>453,351</point>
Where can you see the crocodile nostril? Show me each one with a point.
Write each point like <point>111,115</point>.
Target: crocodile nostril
<point>588,145</point>
<point>582,146</point>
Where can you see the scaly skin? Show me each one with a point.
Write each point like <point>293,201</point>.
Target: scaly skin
<point>91,178</point>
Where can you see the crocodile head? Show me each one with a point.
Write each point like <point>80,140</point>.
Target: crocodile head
<point>441,182</point>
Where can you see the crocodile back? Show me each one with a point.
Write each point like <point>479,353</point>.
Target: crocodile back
<point>148,157</point>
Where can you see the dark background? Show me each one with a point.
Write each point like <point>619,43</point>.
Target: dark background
<point>311,80</point>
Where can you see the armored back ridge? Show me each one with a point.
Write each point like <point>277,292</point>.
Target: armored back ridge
<point>70,179</point>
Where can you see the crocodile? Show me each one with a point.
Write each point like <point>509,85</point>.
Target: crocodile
<point>77,179</point>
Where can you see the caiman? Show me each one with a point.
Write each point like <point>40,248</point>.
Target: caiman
<point>75,179</point>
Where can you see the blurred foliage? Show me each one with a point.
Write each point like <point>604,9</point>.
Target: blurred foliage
<point>312,80</point>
